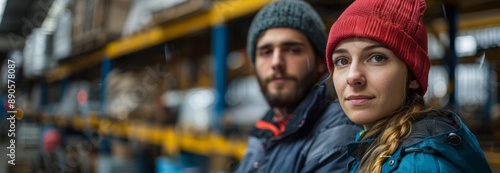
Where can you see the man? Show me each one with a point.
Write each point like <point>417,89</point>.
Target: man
<point>305,131</point>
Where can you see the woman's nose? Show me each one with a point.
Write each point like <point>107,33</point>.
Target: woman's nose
<point>355,76</point>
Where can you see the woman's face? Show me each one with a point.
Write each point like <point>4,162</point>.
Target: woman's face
<point>370,80</point>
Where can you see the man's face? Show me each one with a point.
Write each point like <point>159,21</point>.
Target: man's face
<point>286,66</point>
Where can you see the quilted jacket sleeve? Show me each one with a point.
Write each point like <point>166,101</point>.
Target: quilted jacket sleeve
<point>328,153</point>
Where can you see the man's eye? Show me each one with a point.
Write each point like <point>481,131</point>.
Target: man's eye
<point>264,52</point>
<point>294,50</point>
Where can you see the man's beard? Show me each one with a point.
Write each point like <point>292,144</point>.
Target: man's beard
<point>291,100</point>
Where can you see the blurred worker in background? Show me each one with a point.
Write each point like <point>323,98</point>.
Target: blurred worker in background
<point>305,131</point>
<point>52,156</point>
<point>377,56</point>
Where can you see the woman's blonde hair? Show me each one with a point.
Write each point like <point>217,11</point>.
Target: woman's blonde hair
<point>388,133</point>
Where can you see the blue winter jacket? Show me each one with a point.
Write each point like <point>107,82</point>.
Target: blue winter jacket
<point>439,142</point>
<point>314,139</point>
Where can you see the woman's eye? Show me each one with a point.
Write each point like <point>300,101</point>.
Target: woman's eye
<point>378,58</point>
<point>340,61</point>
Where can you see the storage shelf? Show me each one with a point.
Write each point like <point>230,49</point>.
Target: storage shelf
<point>167,137</point>
<point>171,141</point>
<point>65,70</point>
<point>220,12</point>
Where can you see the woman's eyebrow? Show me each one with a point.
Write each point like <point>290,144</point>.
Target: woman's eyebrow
<point>341,50</point>
<point>373,47</point>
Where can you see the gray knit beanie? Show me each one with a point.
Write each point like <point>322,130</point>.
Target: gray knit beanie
<point>295,14</point>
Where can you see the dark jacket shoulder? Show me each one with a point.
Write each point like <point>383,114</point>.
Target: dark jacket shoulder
<point>431,123</point>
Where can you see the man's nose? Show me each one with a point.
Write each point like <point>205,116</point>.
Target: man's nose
<point>278,61</point>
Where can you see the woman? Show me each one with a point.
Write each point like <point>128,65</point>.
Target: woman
<point>377,58</point>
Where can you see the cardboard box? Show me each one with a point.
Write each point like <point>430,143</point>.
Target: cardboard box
<point>97,22</point>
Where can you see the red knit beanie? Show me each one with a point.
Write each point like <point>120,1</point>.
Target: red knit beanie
<point>397,24</point>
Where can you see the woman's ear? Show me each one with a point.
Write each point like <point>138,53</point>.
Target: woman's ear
<point>414,84</point>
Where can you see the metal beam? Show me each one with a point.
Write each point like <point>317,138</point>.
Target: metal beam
<point>451,55</point>
<point>219,52</point>
<point>220,12</point>
<point>469,21</point>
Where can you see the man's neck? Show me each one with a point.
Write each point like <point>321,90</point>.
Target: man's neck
<point>282,111</point>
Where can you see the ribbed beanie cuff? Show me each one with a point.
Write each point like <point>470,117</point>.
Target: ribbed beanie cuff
<point>395,23</point>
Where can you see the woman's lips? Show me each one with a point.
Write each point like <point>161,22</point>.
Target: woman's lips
<point>359,100</point>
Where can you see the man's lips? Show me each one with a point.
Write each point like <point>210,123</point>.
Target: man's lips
<point>279,79</point>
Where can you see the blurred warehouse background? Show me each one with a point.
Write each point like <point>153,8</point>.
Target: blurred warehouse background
<point>165,85</point>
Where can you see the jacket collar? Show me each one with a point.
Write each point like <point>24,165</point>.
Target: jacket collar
<point>357,148</point>
<point>433,123</point>
<point>305,115</point>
